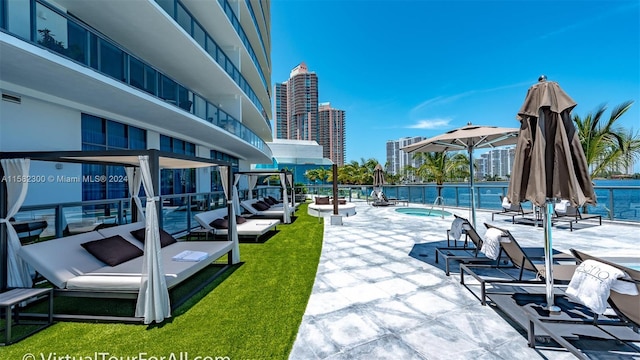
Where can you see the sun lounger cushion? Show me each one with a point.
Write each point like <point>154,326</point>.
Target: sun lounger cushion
<point>219,224</point>
<point>239,219</point>
<point>260,206</point>
<point>113,250</point>
<point>322,200</point>
<point>269,201</point>
<point>165,238</point>
<point>592,282</point>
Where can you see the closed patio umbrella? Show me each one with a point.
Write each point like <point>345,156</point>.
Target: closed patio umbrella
<point>378,176</point>
<point>549,161</point>
<point>469,138</point>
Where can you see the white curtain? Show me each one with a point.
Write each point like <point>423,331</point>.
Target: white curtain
<point>18,274</point>
<point>153,297</point>
<point>134,178</point>
<point>290,181</point>
<point>236,195</point>
<point>235,253</point>
<point>285,200</point>
<point>253,180</point>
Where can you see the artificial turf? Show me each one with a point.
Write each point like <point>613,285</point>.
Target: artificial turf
<point>252,311</point>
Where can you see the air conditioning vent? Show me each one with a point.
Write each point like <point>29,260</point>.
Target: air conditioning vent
<point>11,98</point>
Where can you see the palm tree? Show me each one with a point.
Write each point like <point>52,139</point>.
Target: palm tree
<point>603,142</point>
<point>440,167</point>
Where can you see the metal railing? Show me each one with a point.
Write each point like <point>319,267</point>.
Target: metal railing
<point>614,202</point>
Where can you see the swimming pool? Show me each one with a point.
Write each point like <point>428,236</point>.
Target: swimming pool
<point>423,212</point>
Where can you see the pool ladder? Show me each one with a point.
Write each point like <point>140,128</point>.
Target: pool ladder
<point>439,199</point>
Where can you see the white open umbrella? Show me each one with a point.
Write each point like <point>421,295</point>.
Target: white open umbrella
<point>469,138</point>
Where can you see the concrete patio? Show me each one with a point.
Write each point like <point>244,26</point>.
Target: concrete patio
<point>379,296</point>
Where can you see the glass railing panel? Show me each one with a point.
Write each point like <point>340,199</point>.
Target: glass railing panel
<point>68,38</point>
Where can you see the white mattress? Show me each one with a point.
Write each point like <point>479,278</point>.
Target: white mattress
<point>252,227</point>
<point>126,276</point>
<point>68,265</point>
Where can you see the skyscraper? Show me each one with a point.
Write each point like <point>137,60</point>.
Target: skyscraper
<point>331,130</point>
<point>297,106</point>
<point>398,160</point>
<point>299,116</point>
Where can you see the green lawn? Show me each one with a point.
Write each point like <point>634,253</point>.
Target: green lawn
<point>252,312</point>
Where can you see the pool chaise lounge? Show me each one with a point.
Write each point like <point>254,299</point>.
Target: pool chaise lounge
<point>66,264</point>
<point>273,212</point>
<point>251,227</point>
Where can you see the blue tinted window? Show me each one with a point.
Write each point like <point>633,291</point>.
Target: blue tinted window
<point>199,35</point>
<point>200,107</point>
<point>136,73</point>
<point>93,131</point>
<point>77,47</point>
<point>137,138</point>
<point>165,143</point>
<point>117,135</point>
<point>168,6</point>
<point>184,19</point>
<point>168,89</point>
<point>93,51</point>
<point>111,60</point>
<point>150,80</point>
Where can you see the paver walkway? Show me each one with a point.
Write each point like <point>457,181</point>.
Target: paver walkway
<point>372,300</point>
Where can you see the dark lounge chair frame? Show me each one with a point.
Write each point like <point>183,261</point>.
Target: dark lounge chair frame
<point>513,212</point>
<point>520,259</point>
<point>621,304</point>
<point>573,215</point>
<point>463,254</point>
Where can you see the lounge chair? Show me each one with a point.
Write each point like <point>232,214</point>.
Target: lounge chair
<point>250,227</point>
<point>467,253</point>
<point>512,210</point>
<point>521,269</point>
<point>270,212</point>
<point>566,212</point>
<point>380,199</point>
<point>595,329</point>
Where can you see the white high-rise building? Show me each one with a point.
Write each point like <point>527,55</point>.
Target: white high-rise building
<point>190,77</point>
<point>398,160</point>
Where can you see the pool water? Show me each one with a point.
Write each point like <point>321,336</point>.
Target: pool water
<point>423,212</point>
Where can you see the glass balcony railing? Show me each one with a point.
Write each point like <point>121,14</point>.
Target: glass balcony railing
<point>183,17</point>
<point>63,35</point>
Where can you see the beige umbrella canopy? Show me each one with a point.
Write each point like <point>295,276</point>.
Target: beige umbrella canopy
<point>469,138</point>
<point>378,176</point>
<point>549,161</point>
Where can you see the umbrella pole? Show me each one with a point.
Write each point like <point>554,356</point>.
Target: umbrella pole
<point>472,192</point>
<point>548,258</point>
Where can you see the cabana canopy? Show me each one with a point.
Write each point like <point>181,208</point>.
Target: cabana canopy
<point>153,299</point>
<point>286,179</point>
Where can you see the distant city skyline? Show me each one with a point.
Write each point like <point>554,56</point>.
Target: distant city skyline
<point>421,68</point>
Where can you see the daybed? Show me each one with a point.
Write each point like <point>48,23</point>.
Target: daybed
<point>74,271</point>
<point>272,211</point>
<point>250,227</point>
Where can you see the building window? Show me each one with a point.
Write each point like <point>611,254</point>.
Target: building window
<point>102,134</point>
<point>177,181</point>
<point>216,182</point>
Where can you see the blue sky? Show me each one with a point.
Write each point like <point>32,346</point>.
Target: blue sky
<point>419,68</point>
